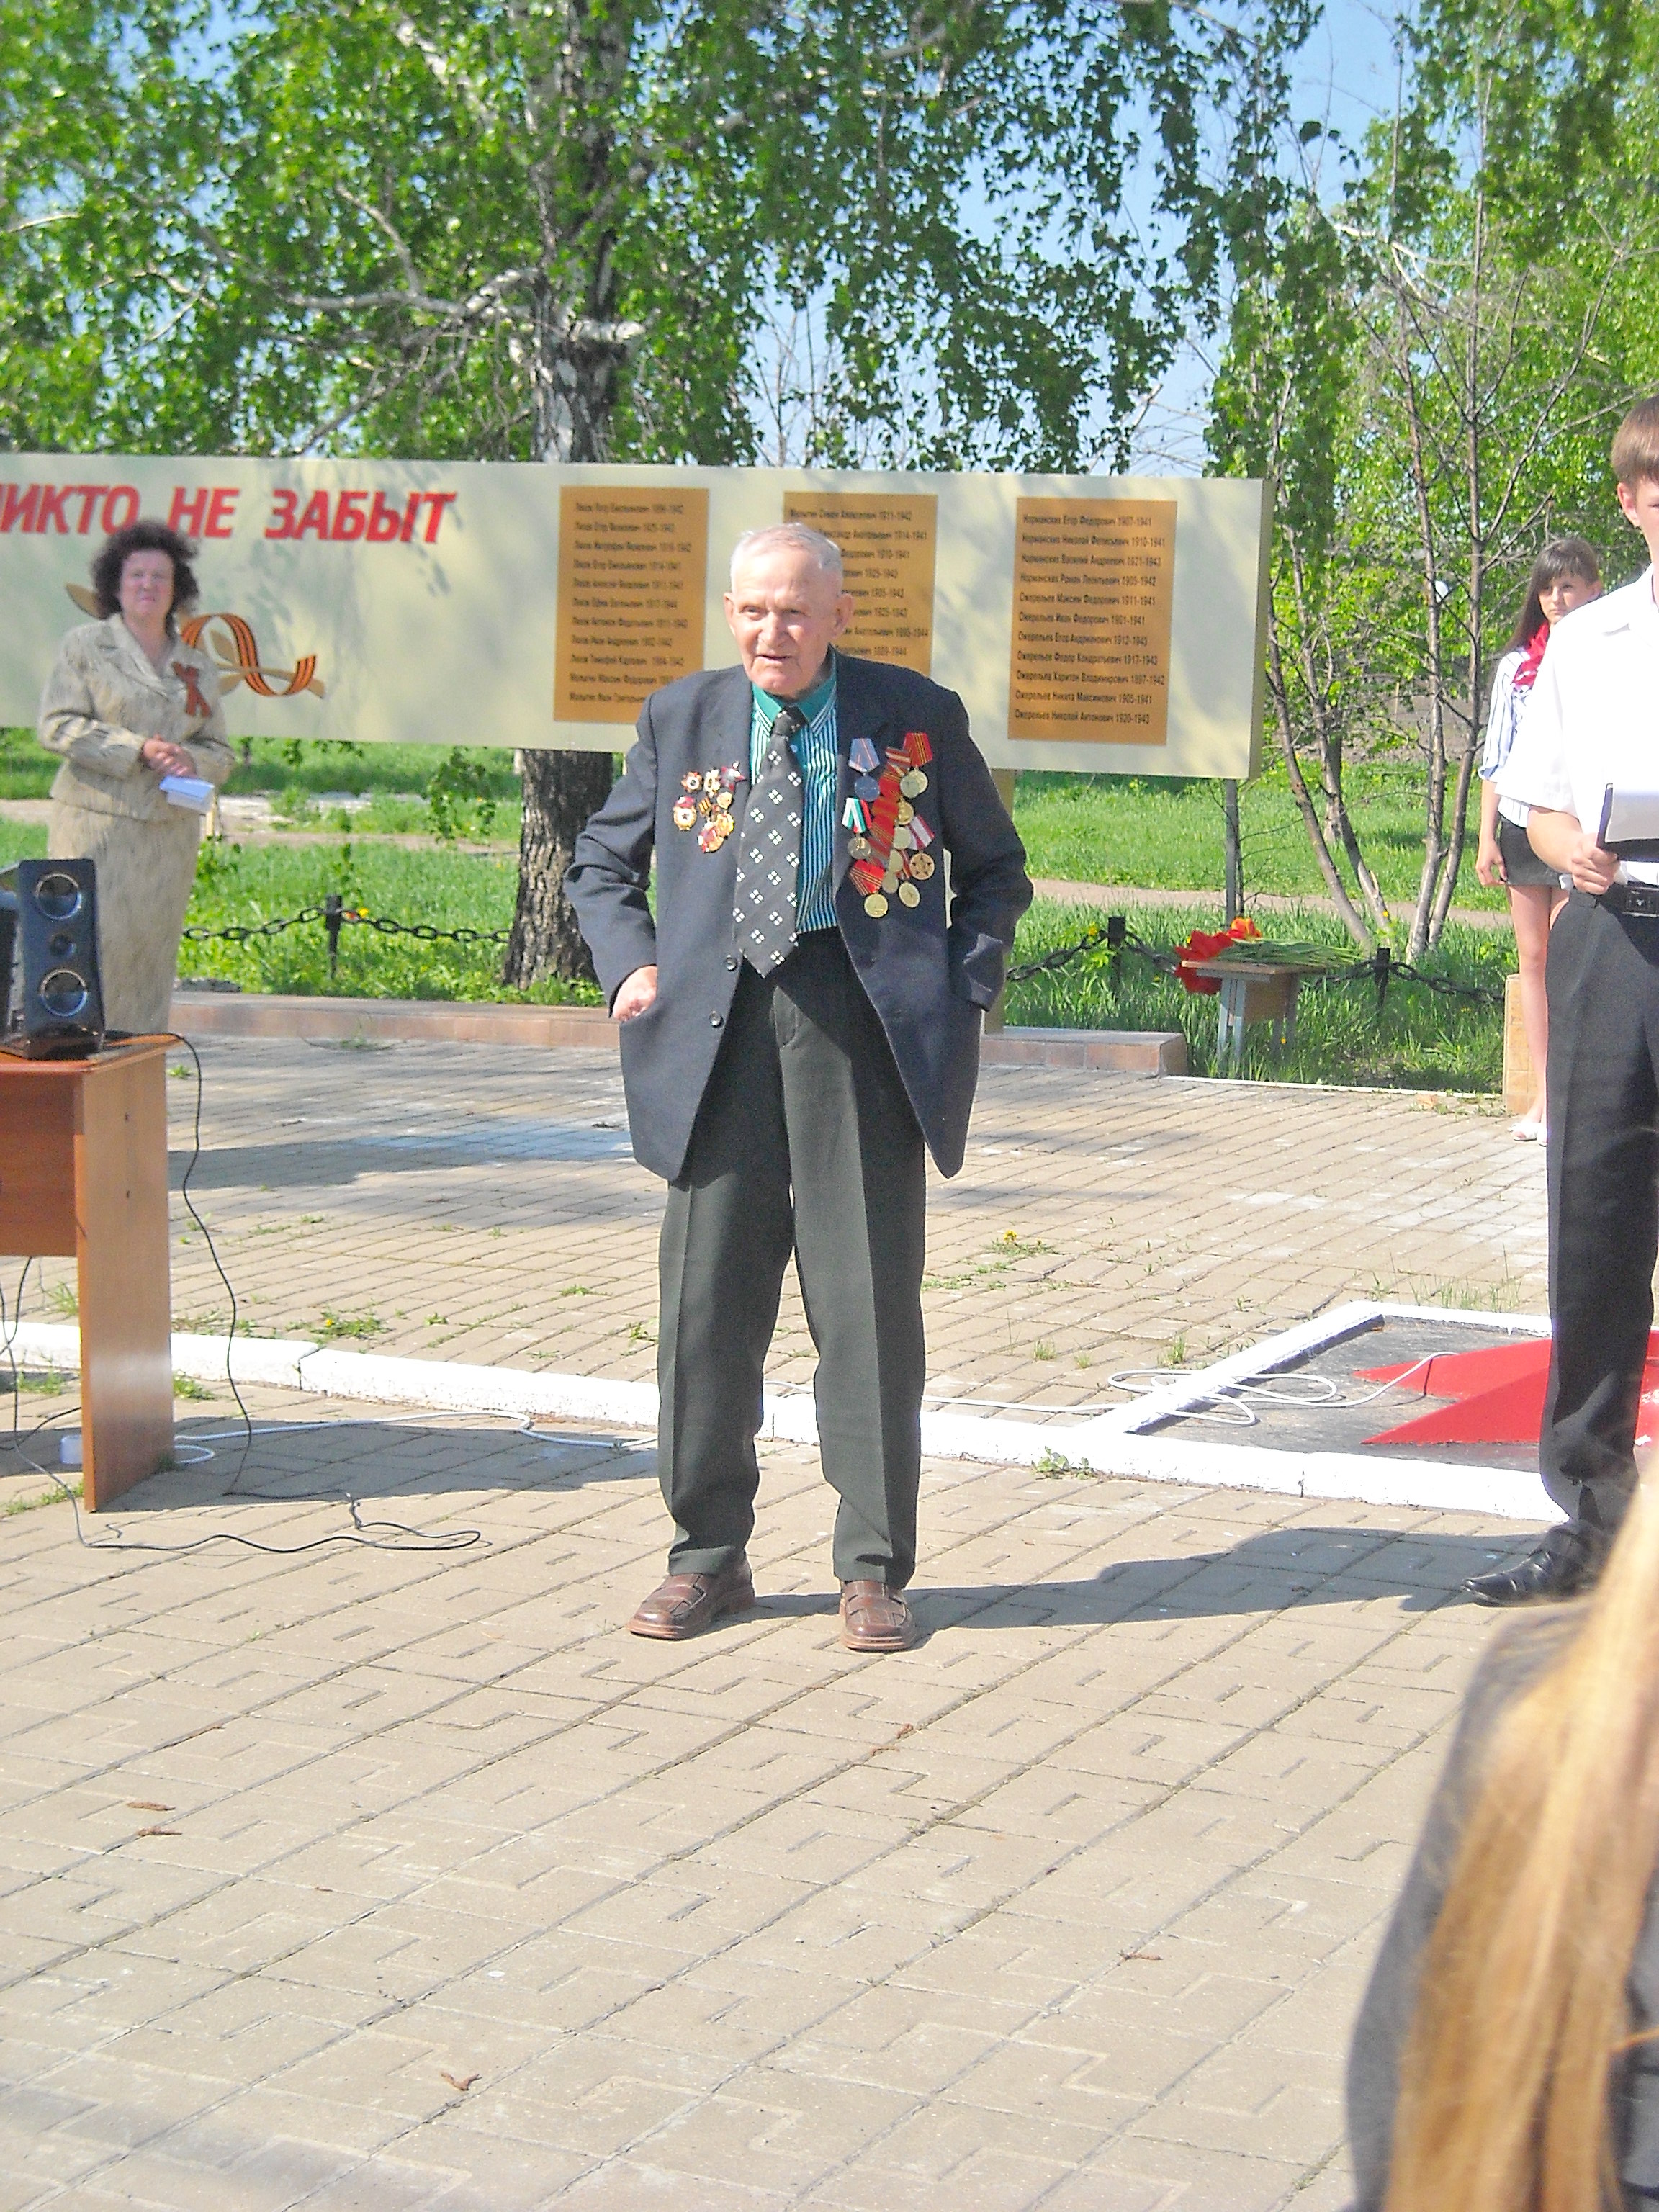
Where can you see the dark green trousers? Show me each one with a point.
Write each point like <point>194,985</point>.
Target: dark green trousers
<point>805,1141</point>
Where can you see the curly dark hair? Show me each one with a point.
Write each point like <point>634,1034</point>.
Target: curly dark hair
<point>141,536</point>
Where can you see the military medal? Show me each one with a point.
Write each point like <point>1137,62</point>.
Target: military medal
<point>707,798</point>
<point>886,849</point>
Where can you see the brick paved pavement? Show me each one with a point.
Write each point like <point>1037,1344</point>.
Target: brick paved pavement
<point>1070,1906</point>
<point>483,1205</point>
<point>361,1880</point>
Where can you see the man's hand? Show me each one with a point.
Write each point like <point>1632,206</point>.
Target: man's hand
<point>1592,866</point>
<point>1562,842</point>
<point>167,758</point>
<point>636,993</point>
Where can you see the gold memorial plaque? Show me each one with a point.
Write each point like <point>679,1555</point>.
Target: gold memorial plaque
<point>1094,583</point>
<point>633,577</point>
<point>887,541</point>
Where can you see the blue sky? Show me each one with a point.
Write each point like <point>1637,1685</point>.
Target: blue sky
<point>1345,79</point>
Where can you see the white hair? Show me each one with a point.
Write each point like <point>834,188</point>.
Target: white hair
<point>826,554</point>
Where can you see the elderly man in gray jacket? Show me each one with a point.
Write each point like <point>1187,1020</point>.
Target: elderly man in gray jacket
<point>801,1022</point>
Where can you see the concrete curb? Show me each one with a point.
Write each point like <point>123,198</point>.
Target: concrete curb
<point>400,1021</point>
<point>1106,1445</point>
<point>451,1021</point>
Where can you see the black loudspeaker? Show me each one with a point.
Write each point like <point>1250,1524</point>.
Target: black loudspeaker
<point>54,1008</point>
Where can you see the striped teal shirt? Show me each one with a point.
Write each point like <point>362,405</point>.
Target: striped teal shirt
<point>815,750</point>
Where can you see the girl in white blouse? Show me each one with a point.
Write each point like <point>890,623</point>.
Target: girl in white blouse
<point>1565,576</point>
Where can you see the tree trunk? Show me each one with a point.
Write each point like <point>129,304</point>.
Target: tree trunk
<point>560,790</point>
<point>1353,922</point>
<point>576,368</point>
<point>1448,888</point>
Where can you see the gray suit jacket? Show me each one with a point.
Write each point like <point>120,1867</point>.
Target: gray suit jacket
<point>1509,1669</point>
<point>928,974</point>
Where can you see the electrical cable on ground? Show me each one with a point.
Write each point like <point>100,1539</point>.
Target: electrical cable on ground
<point>366,1535</point>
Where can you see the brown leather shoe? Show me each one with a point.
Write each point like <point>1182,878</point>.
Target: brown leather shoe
<point>685,1605</point>
<point>875,1619</point>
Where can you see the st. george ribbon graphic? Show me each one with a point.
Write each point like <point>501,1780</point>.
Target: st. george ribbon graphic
<point>237,654</point>
<point>240,658</point>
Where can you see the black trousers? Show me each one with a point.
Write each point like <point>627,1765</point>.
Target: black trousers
<point>806,1141</point>
<point>1603,985</point>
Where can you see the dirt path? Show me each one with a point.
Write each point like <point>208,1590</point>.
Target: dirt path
<point>250,827</point>
<point>1114,896</point>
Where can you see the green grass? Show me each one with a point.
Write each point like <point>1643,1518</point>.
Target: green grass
<point>1168,834</point>
<point>272,766</point>
<point>1103,830</point>
<point>364,770</point>
<point>238,884</point>
<point>22,840</point>
<point>1421,1041</point>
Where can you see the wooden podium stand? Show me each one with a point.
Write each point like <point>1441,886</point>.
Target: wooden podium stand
<point>83,1170</point>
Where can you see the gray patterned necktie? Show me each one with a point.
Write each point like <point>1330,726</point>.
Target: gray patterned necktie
<point>769,863</point>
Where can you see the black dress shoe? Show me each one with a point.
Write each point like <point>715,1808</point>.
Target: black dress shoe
<point>1550,1572</point>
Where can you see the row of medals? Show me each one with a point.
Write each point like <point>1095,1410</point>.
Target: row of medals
<point>710,796</point>
<point>904,866</point>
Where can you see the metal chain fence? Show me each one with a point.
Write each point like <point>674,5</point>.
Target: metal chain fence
<point>336,915</point>
<point>1382,969</point>
<point>1115,938</point>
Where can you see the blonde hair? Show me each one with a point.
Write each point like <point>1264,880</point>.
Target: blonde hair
<point>1522,2011</point>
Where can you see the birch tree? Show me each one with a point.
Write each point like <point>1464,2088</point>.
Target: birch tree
<point>564,229</point>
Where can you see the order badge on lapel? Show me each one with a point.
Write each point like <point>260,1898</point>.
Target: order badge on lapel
<point>707,804</point>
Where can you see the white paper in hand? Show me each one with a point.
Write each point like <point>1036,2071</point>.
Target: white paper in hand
<point>193,791</point>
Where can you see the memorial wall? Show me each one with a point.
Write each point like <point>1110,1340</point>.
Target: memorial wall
<point>1089,623</point>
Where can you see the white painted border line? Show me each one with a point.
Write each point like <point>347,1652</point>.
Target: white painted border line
<point>516,1393</point>
<point>1184,1391</point>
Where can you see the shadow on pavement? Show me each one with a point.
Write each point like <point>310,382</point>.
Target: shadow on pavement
<point>331,1457</point>
<point>1272,1571</point>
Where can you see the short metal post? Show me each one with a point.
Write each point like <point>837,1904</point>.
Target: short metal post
<point>333,907</point>
<point>1235,850</point>
<point>1384,961</point>
<point>1117,931</point>
<point>1231,1041</point>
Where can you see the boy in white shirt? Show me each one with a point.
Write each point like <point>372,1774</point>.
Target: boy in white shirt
<point>1594,722</point>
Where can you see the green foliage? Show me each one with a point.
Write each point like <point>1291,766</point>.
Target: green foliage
<point>1428,357</point>
<point>334,1327</point>
<point>1421,1041</point>
<point>462,227</point>
<point>458,798</point>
